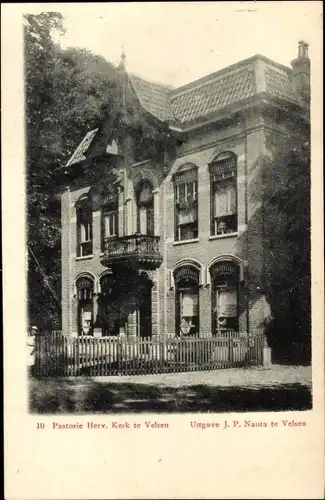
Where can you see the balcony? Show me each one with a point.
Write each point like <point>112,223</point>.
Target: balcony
<point>132,251</point>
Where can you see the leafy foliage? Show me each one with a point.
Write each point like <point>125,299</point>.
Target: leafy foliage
<point>282,186</point>
<point>65,91</point>
<point>69,92</point>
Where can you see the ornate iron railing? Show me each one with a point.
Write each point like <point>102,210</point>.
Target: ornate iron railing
<point>136,246</point>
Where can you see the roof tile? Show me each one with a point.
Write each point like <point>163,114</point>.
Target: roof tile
<point>208,95</point>
<point>206,99</point>
<point>153,97</point>
<point>80,152</point>
<point>279,84</point>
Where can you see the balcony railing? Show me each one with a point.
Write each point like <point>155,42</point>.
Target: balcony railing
<point>136,249</point>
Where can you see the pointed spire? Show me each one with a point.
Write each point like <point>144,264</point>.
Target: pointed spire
<point>123,77</point>
<point>123,59</point>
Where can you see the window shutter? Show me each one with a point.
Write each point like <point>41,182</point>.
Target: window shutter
<point>85,288</point>
<point>223,169</point>
<point>187,273</point>
<point>185,176</point>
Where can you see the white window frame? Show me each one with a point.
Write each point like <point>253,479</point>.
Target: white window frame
<point>107,216</point>
<point>177,200</point>
<point>230,183</point>
<point>219,289</point>
<point>85,231</point>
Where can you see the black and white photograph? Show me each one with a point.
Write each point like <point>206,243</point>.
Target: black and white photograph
<point>168,222</point>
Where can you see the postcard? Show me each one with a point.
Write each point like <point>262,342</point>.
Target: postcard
<point>163,250</point>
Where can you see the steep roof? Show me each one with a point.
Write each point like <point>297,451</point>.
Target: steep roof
<point>202,98</point>
<point>214,92</point>
<point>217,93</point>
<point>153,97</point>
<point>279,84</point>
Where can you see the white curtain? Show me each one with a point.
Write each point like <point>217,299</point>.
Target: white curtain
<point>227,303</point>
<point>110,229</point>
<point>86,317</point>
<point>189,304</point>
<point>186,217</point>
<point>225,200</point>
<point>143,220</point>
<point>84,232</point>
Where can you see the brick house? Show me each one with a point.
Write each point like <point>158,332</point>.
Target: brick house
<point>156,205</point>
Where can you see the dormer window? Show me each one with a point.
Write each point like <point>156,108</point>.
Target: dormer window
<point>223,182</point>
<point>186,204</point>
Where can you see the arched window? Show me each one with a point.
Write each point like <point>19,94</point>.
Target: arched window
<point>223,182</point>
<point>225,291</point>
<point>84,227</point>
<point>186,280</point>
<point>109,215</point>
<point>85,291</point>
<point>145,208</point>
<point>186,205</point>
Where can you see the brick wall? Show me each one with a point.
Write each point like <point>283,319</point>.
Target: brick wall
<point>246,140</point>
<point>65,252</point>
<point>206,248</point>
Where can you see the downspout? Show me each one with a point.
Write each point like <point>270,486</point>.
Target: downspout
<point>247,244</point>
<point>165,256</point>
<point>70,291</point>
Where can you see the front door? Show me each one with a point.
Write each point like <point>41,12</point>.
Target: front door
<point>145,310</point>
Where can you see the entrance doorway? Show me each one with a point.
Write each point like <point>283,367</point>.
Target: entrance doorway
<point>144,307</point>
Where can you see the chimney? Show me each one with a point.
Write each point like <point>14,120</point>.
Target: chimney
<point>301,72</point>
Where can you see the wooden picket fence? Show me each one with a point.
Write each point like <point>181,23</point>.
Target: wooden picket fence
<point>58,355</point>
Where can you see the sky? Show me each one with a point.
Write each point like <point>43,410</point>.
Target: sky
<point>177,42</point>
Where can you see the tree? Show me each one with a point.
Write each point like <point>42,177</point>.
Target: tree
<point>282,185</point>
<point>65,91</point>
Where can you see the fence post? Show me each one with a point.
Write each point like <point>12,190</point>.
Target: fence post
<point>231,347</point>
<point>266,353</point>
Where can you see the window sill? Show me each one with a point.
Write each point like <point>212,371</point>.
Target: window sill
<point>184,242</point>
<point>85,257</point>
<point>220,236</point>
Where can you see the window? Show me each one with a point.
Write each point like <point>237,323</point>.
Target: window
<point>225,289</point>
<point>223,179</point>
<point>187,301</point>
<point>84,229</point>
<point>109,217</point>
<point>145,209</point>
<point>186,206</point>
<point>110,223</point>
<point>85,306</point>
